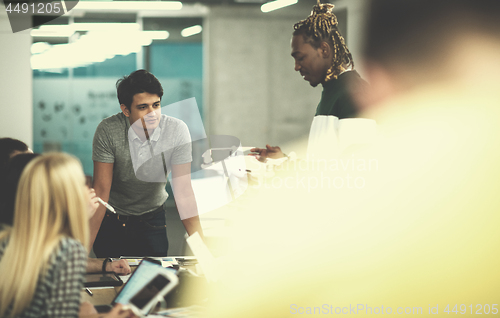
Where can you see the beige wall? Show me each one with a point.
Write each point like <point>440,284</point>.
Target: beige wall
<point>16,119</point>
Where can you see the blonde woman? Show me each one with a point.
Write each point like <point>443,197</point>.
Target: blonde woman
<point>43,256</point>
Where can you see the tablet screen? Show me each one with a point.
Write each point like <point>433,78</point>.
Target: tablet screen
<point>144,273</point>
<point>150,291</point>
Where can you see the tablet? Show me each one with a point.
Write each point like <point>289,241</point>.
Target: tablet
<point>146,286</point>
<point>102,280</point>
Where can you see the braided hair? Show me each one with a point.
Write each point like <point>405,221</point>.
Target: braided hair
<point>321,26</point>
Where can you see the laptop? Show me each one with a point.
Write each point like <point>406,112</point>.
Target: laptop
<point>149,283</point>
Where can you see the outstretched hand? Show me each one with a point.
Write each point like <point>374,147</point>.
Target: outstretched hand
<point>262,154</point>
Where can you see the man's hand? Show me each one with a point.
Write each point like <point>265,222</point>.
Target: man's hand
<point>118,311</point>
<point>93,202</point>
<point>120,267</point>
<point>262,154</point>
<point>86,309</point>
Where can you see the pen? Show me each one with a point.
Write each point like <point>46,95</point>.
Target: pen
<point>109,207</point>
<point>88,291</point>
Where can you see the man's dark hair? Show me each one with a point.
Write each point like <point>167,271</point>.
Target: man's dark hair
<point>415,32</point>
<point>7,147</point>
<point>140,81</point>
<point>321,26</point>
<point>8,185</point>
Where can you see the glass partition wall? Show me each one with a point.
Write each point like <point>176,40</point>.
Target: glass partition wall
<point>77,60</point>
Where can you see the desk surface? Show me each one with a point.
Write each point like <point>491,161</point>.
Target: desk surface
<point>101,295</point>
<point>105,295</point>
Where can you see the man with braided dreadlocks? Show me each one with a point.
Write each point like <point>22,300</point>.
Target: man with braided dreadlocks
<point>322,57</point>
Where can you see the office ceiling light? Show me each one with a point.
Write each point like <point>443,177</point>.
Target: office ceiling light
<point>250,1</point>
<point>63,32</point>
<point>66,30</point>
<point>55,28</point>
<point>129,5</point>
<point>90,27</point>
<point>105,26</point>
<point>192,30</point>
<point>275,5</point>
<point>107,43</point>
<point>156,35</point>
<point>40,47</point>
<point>77,54</point>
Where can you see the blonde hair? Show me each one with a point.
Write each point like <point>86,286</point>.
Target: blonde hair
<point>51,204</point>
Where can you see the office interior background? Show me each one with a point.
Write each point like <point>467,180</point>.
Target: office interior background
<point>238,68</point>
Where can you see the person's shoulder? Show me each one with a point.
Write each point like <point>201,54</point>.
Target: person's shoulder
<point>174,128</point>
<point>68,244</point>
<point>116,119</point>
<point>350,76</point>
<point>172,121</point>
<point>69,252</point>
<point>354,81</point>
<point>112,124</point>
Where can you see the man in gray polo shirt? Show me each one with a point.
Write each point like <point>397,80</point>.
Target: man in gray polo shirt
<point>133,152</point>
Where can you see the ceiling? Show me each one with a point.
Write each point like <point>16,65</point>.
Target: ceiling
<point>174,22</point>
<point>174,25</point>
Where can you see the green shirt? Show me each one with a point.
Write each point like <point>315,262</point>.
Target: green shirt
<point>336,98</point>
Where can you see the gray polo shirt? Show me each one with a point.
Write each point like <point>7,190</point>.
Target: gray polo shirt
<point>139,177</point>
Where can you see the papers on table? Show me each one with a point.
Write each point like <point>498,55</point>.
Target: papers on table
<point>165,261</point>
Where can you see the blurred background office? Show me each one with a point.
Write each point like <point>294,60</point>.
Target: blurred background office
<point>58,79</point>
<point>58,82</point>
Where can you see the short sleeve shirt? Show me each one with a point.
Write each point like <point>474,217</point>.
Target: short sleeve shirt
<point>140,167</point>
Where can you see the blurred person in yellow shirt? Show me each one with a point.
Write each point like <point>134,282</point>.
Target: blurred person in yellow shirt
<point>420,237</point>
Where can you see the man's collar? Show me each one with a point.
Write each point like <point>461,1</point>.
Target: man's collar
<point>156,133</point>
<point>132,135</point>
<point>333,81</point>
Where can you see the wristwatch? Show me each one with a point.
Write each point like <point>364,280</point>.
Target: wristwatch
<point>105,262</point>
